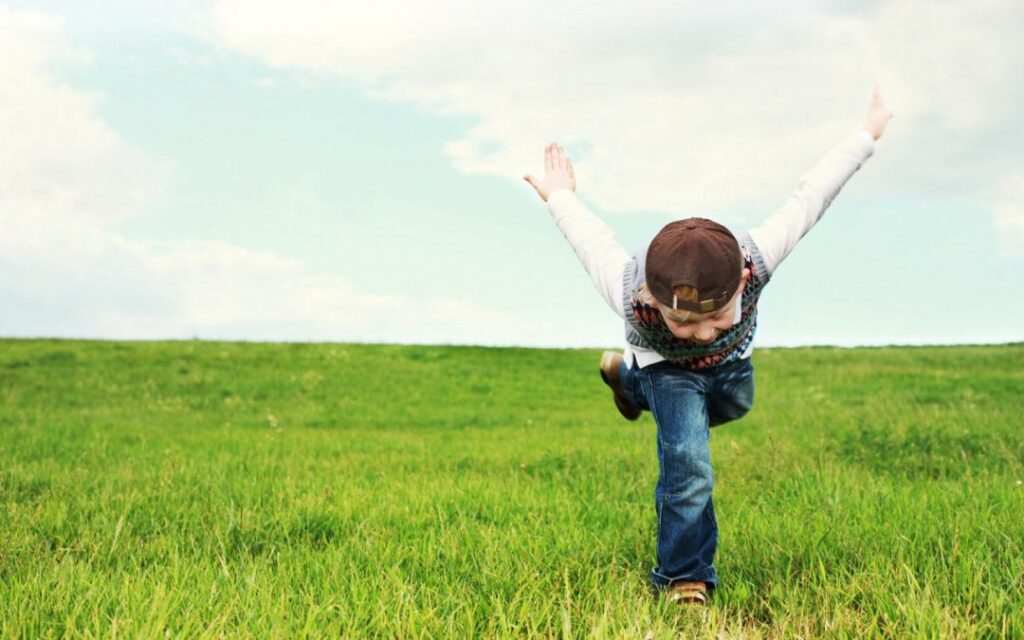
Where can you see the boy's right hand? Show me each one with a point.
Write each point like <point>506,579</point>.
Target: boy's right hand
<point>557,173</point>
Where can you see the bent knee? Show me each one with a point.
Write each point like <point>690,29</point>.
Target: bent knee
<point>739,407</point>
<point>732,408</point>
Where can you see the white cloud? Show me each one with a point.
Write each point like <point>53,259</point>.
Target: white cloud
<point>65,177</point>
<point>1010,214</point>
<point>188,58</point>
<point>668,106</point>
<point>105,285</point>
<point>58,157</point>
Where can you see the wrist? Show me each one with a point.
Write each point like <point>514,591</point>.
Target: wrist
<point>560,201</point>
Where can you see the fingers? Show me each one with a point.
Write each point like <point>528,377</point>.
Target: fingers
<point>876,98</point>
<point>555,158</point>
<point>555,162</point>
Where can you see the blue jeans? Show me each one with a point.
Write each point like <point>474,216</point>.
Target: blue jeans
<point>685,404</point>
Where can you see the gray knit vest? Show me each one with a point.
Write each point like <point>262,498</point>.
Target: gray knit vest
<point>647,329</point>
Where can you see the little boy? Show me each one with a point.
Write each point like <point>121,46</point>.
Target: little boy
<point>689,301</point>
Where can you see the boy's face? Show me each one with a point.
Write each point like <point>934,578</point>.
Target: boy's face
<point>703,328</point>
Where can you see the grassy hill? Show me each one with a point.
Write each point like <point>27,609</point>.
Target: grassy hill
<point>203,489</point>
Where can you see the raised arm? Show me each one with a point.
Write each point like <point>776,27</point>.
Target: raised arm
<point>779,233</point>
<point>593,241</point>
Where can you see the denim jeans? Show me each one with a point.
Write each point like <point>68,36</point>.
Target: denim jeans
<point>685,404</point>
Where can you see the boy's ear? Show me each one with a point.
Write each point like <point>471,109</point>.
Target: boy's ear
<point>744,277</point>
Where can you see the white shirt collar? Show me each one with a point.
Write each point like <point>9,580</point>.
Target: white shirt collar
<point>738,314</point>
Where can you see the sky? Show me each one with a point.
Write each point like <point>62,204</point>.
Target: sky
<point>305,171</point>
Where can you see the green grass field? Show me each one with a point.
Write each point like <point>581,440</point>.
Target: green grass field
<point>200,489</point>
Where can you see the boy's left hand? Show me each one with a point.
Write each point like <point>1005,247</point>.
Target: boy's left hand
<point>557,173</point>
<point>878,115</point>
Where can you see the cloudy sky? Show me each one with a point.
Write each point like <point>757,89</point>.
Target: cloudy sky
<point>278,170</point>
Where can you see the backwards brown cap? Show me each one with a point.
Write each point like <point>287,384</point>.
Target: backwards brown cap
<point>694,252</point>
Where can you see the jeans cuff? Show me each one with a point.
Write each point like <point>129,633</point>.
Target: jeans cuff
<point>707,576</point>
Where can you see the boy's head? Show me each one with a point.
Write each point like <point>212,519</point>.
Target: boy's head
<point>694,271</point>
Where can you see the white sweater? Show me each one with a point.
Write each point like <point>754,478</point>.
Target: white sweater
<point>605,259</point>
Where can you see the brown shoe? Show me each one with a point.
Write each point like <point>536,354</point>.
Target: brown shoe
<point>610,363</point>
<point>687,593</point>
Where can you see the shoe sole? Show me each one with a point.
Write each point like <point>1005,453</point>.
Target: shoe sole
<point>610,376</point>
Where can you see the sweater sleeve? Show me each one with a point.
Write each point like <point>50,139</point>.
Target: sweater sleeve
<point>594,243</point>
<point>780,232</point>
